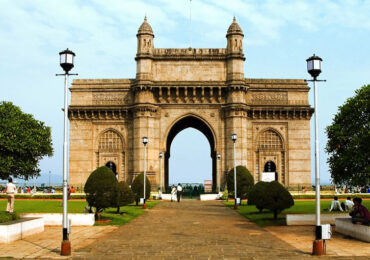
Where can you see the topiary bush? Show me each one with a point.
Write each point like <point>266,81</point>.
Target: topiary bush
<point>125,195</point>
<point>101,189</point>
<point>137,187</point>
<point>256,195</point>
<point>277,198</point>
<point>244,181</point>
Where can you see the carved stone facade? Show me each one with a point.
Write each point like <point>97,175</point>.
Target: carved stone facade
<point>179,88</point>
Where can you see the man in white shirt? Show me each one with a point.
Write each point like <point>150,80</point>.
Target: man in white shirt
<point>10,190</point>
<point>335,205</point>
<point>348,204</point>
<point>179,192</point>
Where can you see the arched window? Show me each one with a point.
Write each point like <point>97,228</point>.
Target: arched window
<point>269,140</point>
<point>110,141</point>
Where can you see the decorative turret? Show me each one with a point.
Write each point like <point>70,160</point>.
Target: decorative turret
<point>144,53</point>
<point>234,38</point>
<point>234,54</point>
<point>145,38</point>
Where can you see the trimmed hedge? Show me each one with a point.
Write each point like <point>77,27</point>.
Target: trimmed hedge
<point>331,196</point>
<point>42,196</point>
<point>102,189</point>
<point>137,187</point>
<point>244,181</point>
<point>6,217</point>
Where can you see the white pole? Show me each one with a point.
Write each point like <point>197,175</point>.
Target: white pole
<point>235,177</point>
<point>65,216</point>
<point>160,172</point>
<point>144,171</point>
<point>219,176</point>
<point>317,169</point>
<point>190,27</point>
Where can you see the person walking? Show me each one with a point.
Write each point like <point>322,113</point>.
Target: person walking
<point>173,192</point>
<point>10,190</point>
<point>179,192</point>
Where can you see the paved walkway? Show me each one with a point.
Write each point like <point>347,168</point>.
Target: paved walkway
<point>191,229</point>
<point>47,244</point>
<point>187,230</point>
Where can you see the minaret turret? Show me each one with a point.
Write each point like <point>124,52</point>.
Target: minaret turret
<point>235,63</point>
<point>145,38</point>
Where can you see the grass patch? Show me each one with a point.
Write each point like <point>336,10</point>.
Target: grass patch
<point>52,206</point>
<point>130,212</point>
<point>44,206</point>
<point>6,217</point>
<point>266,218</point>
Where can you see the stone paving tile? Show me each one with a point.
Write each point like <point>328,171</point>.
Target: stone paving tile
<point>187,230</point>
<point>339,245</point>
<point>46,245</point>
<point>191,230</point>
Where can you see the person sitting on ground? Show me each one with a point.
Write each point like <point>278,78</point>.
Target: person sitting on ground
<point>360,213</point>
<point>348,204</point>
<point>335,205</point>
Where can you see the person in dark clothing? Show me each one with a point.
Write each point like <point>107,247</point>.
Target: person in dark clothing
<point>179,192</point>
<point>360,213</point>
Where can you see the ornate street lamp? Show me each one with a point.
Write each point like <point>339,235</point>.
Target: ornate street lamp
<point>233,138</point>
<point>67,63</point>
<point>219,173</point>
<point>145,141</point>
<point>160,173</point>
<point>314,69</point>
<point>314,66</point>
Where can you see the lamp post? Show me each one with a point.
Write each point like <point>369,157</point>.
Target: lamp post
<point>145,141</point>
<point>160,173</point>
<point>314,69</point>
<point>67,63</point>
<point>219,173</point>
<point>233,137</point>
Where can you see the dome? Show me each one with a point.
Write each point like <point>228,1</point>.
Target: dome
<point>234,28</point>
<point>145,28</point>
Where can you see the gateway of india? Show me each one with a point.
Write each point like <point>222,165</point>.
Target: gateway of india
<point>201,88</point>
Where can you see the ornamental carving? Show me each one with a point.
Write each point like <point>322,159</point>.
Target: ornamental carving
<point>108,98</point>
<point>270,98</point>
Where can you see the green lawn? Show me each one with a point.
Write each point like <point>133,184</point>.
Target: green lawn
<point>266,218</point>
<point>53,206</point>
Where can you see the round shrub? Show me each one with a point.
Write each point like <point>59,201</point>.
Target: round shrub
<point>101,189</point>
<point>256,195</point>
<point>244,181</point>
<point>277,198</point>
<point>126,196</point>
<point>137,187</point>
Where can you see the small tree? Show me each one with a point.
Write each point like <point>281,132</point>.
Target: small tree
<point>101,189</point>
<point>244,181</point>
<point>256,195</point>
<point>277,198</point>
<point>137,187</point>
<point>126,196</point>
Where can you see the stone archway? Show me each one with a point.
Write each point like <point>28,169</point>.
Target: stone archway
<point>196,123</point>
<point>172,83</point>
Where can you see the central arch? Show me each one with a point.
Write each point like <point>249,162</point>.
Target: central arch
<point>200,125</point>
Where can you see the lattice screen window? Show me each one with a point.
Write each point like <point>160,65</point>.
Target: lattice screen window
<point>110,141</point>
<point>269,140</point>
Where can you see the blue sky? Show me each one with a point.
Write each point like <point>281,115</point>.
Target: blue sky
<point>279,36</point>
